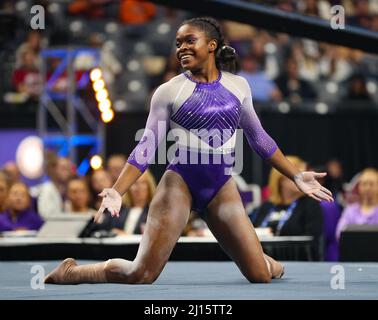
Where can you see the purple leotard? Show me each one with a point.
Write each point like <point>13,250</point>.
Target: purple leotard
<point>207,114</point>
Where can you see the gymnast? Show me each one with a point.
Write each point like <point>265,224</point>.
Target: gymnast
<point>205,96</point>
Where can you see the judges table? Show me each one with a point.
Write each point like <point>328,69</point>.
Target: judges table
<point>186,249</point>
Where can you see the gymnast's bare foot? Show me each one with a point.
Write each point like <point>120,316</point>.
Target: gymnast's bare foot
<point>61,274</point>
<point>279,272</point>
<point>276,268</point>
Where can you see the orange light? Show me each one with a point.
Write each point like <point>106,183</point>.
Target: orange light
<point>107,115</point>
<point>102,95</point>
<point>98,85</point>
<point>95,74</point>
<point>104,105</point>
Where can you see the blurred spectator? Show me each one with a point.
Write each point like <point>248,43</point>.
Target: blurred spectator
<point>136,11</point>
<point>286,5</point>
<point>317,8</point>
<point>291,87</point>
<point>99,180</point>
<point>357,89</point>
<point>366,210</point>
<point>4,189</point>
<point>32,44</point>
<point>308,68</point>
<point>52,194</point>
<point>374,23</point>
<point>368,65</point>
<point>361,17</point>
<point>20,215</point>
<point>237,31</point>
<point>78,196</point>
<point>90,8</point>
<point>110,65</point>
<point>288,212</point>
<point>133,217</point>
<point>350,191</point>
<point>115,164</point>
<point>263,89</point>
<point>335,63</point>
<point>334,179</point>
<point>26,78</point>
<point>239,36</point>
<point>12,172</point>
<point>265,52</point>
<point>310,7</point>
<point>331,216</point>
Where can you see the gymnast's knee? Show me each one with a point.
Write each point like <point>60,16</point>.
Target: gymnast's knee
<point>135,274</point>
<point>259,277</point>
<point>144,276</point>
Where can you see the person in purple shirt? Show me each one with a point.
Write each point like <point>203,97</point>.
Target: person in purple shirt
<point>20,215</point>
<point>207,97</point>
<point>331,216</point>
<point>366,210</point>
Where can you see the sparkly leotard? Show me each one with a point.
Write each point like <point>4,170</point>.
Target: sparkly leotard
<point>207,115</point>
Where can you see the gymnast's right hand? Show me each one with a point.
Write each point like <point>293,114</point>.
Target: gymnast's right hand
<point>111,203</point>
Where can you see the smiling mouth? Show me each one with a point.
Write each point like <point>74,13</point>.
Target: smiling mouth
<point>185,57</point>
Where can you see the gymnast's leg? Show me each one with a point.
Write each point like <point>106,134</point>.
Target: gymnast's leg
<point>231,226</point>
<point>167,217</point>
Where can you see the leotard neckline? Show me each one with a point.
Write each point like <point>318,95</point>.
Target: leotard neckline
<point>188,75</point>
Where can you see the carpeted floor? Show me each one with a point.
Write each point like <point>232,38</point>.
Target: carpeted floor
<point>201,281</point>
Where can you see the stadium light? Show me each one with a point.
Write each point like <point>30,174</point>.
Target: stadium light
<point>104,105</point>
<point>98,85</point>
<point>102,95</point>
<point>107,115</point>
<point>96,162</point>
<point>29,157</point>
<point>95,74</point>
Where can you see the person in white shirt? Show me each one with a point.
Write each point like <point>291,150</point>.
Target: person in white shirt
<point>133,215</point>
<point>51,194</point>
<point>78,197</point>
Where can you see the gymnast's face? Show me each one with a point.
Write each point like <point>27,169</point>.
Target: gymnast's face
<point>193,48</point>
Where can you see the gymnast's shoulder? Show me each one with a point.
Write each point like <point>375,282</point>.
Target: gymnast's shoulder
<point>237,84</point>
<point>171,86</point>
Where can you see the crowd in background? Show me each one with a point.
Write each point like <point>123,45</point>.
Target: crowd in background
<point>278,67</point>
<point>284,210</point>
<point>25,208</point>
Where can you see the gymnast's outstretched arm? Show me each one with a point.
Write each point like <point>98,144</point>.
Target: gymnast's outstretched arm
<point>267,148</point>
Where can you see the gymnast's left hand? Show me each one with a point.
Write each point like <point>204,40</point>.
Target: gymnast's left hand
<point>307,183</point>
<point>111,203</point>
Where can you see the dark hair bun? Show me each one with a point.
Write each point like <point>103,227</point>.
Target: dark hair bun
<point>227,53</point>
